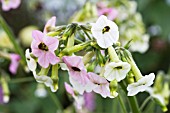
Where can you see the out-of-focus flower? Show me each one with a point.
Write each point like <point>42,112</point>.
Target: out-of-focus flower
<point>10,4</point>
<point>105,32</point>
<point>25,35</point>
<point>50,24</point>
<point>111,13</point>
<point>4,41</point>
<point>15,58</point>
<point>141,85</point>
<point>102,85</point>
<point>140,45</point>
<point>40,91</point>
<point>89,99</point>
<point>77,74</point>
<point>43,47</point>
<point>32,65</point>
<point>1,95</point>
<point>116,70</point>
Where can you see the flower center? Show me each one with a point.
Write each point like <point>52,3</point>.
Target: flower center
<point>118,67</point>
<point>105,29</point>
<point>43,47</point>
<point>75,69</point>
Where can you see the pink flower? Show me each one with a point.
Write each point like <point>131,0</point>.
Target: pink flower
<point>77,74</point>
<point>109,12</point>
<point>10,4</point>
<point>15,58</point>
<point>102,85</point>
<point>50,23</point>
<point>43,47</point>
<point>1,95</point>
<point>89,99</point>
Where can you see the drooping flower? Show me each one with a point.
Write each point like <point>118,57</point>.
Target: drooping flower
<point>141,85</point>
<point>116,70</point>
<point>45,80</point>
<point>111,13</point>
<point>43,47</point>
<point>105,32</point>
<point>101,85</point>
<point>32,65</point>
<point>79,100</point>
<point>50,24</point>
<point>15,58</point>
<point>10,4</point>
<point>77,74</point>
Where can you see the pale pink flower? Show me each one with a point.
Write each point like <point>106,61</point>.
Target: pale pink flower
<point>43,47</point>
<point>79,100</point>
<point>77,74</point>
<point>15,58</point>
<point>102,85</point>
<point>89,99</point>
<point>111,13</point>
<point>50,23</point>
<point>10,4</point>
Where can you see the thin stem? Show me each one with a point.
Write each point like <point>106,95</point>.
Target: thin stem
<point>21,80</point>
<point>12,38</point>
<point>87,34</point>
<point>134,105</point>
<point>56,101</point>
<point>122,104</point>
<point>145,102</point>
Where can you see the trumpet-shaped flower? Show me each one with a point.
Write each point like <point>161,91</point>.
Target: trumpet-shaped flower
<point>101,85</point>
<point>79,100</point>
<point>141,85</point>
<point>45,80</point>
<point>32,65</point>
<point>15,58</point>
<point>50,24</point>
<point>116,70</point>
<point>10,4</point>
<point>77,74</point>
<point>43,47</point>
<point>105,32</point>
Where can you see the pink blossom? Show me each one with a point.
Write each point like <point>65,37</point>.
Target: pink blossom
<point>89,99</point>
<point>15,58</point>
<point>77,74</point>
<point>69,89</point>
<point>111,13</point>
<point>102,85</point>
<point>10,4</point>
<point>1,95</point>
<point>50,23</point>
<point>43,47</point>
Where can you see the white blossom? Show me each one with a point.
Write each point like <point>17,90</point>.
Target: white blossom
<point>116,70</point>
<point>32,65</point>
<point>141,85</point>
<point>105,32</point>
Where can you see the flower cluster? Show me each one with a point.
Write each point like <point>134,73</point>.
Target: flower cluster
<point>80,50</point>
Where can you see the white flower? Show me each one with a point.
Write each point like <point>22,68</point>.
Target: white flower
<point>40,91</point>
<point>105,32</point>
<point>116,70</point>
<point>32,65</point>
<point>45,80</point>
<point>141,45</point>
<point>157,96</point>
<point>141,85</point>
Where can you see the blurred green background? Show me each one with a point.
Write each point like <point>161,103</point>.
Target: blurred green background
<point>156,16</point>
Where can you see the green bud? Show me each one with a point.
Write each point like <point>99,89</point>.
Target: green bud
<point>113,87</point>
<point>70,29</point>
<point>5,88</point>
<point>44,71</point>
<point>91,66</point>
<point>130,78</point>
<point>88,57</point>
<point>158,86</point>
<point>54,76</point>
<point>100,58</point>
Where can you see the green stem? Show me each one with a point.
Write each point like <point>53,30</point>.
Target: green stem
<point>113,55</point>
<point>145,102</point>
<point>56,101</point>
<point>122,104</point>
<point>132,99</point>
<point>12,39</point>
<point>21,80</point>
<point>134,105</point>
